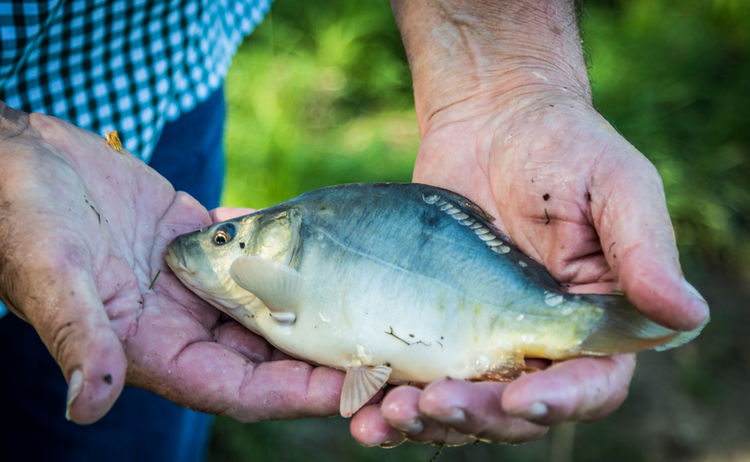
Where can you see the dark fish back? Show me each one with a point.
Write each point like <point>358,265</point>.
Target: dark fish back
<point>420,228</point>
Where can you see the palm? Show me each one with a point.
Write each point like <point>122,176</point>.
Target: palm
<point>546,185</point>
<point>104,219</point>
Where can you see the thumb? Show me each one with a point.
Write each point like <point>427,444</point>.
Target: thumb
<point>639,244</point>
<point>68,315</point>
<point>49,281</point>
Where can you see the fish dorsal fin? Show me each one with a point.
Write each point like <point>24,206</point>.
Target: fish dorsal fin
<point>623,329</point>
<point>278,286</point>
<point>361,384</point>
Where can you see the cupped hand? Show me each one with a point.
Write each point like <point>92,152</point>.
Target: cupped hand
<point>577,197</point>
<point>85,230</point>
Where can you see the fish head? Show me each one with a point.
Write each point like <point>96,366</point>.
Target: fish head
<point>202,259</point>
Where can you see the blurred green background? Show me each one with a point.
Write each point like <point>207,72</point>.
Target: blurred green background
<point>321,94</point>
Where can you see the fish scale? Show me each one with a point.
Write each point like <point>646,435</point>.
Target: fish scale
<point>399,283</point>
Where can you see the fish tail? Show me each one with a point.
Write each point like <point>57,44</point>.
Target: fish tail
<point>681,338</point>
<point>623,329</point>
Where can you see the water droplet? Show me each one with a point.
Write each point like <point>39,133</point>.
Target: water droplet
<point>553,299</point>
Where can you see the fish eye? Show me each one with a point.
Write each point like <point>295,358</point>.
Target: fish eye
<point>224,234</point>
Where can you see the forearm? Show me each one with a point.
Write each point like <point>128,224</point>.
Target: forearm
<point>461,50</point>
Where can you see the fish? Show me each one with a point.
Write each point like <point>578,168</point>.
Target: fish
<point>400,283</point>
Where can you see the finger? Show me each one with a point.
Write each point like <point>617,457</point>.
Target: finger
<point>474,408</point>
<point>68,315</point>
<point>227,213</point>
<point>214,378</point>
<point>577,390</point>
<point>49,283</point>
<point>639,244</point>
<point>290,389</point>
<point>369,428</point>
<point>401,410</point>
<point>236,336</point>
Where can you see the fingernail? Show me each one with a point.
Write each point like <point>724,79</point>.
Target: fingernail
<point>413,426</point>
<point>74,389</point>
<point>535,410</point>
<point>693,291</point>
<point>388,444</point>
<point>695,295</point>
<point>456,416</point>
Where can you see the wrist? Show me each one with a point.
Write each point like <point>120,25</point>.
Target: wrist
<point>478,56</point>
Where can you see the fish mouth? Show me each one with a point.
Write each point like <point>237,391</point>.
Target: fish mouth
<point>176,261</point>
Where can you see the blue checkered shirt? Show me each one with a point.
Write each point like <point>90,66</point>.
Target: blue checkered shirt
<point>129,65</point>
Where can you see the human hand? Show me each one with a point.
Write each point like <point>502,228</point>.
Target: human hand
<point>518,135</point>
<point>91,279</point>
<point>555,196</point>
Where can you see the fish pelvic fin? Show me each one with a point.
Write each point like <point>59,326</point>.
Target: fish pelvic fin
<point>623,329</point>
<point>361,384</point>
<point>278,286</point>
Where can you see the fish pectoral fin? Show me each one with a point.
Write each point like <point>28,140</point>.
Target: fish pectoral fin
<point>278,286</point>
<point>361,384</point>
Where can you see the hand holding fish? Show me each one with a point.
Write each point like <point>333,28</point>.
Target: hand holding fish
<point>504,109</point>
<point>85,231</point>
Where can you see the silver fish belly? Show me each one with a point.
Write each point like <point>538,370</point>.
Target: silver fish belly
<point>399,283</point>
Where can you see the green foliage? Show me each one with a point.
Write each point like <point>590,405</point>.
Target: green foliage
<point>328,440</point>
<point>300,440</point>
<point>318,96</point>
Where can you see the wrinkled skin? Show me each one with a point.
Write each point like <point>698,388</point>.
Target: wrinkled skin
<point>86,229</point>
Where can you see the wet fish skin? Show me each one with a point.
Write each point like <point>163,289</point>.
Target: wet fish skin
<point>408,278</point>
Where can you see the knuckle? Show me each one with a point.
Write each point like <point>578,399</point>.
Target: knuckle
<point>12,122</point>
